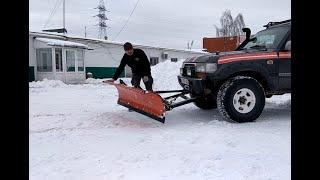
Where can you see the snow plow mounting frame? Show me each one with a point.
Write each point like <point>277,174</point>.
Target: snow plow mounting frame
<point>171,104</point>
<point>149,103</point>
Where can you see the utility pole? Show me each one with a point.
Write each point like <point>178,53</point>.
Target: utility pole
<point>85,31</point>
<point>64,13</point>
<point>102,20</point>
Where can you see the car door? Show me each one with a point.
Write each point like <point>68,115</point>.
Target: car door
<point>284,66</point>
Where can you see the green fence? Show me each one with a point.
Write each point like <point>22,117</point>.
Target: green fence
<point>31,74</point>
<point>103,72</point>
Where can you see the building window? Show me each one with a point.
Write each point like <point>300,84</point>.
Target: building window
<point>174,59</point>
<point>154,61</point>
<point>44,59</point>
<point>80,59</point>
<point>58,56</point>
<point>164,55</point>
<point>70,59</point>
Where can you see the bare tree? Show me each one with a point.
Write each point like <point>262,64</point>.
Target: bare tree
<point>230,27</point>
<point>190,44</point>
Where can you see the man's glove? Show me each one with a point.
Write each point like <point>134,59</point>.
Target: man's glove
<point>145,78</point>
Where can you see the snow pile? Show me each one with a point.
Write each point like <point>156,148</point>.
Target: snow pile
<point>45,83</point>
<point>94,81</point>
<point>280,100</point>
<point>165,75</point>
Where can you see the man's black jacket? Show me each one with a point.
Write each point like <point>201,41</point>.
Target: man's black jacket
<point>138,62</point>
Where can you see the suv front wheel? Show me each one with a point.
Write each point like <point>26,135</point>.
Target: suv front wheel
<point>206,102</point>
<point>241,99</point>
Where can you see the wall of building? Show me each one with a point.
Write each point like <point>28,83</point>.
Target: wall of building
<point>105,57</point>
<point>34,75</point>
<point>103,60</point>
<point>32,60</point>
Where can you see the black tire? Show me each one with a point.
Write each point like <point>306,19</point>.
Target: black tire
<point>206,103</point>
<point>245,106</point>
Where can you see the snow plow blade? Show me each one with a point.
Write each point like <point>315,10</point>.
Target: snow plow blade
<point>147,103</point>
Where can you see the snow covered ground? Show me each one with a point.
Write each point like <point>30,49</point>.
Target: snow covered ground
<point>79,132</point>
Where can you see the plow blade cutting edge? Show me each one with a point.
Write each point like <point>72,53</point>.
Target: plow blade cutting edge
<point>148,103</point>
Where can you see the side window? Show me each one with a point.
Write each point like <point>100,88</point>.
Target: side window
<point>44,59</point>
<point>80,57</point>
<point>287,45</point>
<point>174,59</point>
<point>70,59</point>
<point>154,61</point>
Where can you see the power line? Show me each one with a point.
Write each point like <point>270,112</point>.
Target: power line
<point>127,20</point>
<point>58,2</point>
<point>51,13</point>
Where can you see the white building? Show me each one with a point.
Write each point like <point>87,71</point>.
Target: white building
<point>69,59</point>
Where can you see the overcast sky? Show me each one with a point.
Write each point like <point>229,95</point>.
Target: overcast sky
<point>166,23</point>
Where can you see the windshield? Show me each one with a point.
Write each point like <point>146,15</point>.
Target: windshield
<point>267,39</point>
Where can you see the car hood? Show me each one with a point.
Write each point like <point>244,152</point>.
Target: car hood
<point>212,57</point>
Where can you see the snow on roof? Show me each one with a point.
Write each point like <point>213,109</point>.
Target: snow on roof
<point>108,41</point>
<point>57,42</point>
<point>136,45</point>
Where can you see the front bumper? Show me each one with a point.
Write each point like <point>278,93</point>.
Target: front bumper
<point>194,85</point>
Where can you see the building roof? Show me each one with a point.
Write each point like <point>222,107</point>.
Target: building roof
<point>64,37</point>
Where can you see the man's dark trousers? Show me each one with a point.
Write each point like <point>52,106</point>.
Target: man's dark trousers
<point>135,81</point>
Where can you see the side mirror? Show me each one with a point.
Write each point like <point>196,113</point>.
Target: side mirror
<point>288,46</point>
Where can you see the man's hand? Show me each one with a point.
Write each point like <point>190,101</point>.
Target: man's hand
<point>145,78</point>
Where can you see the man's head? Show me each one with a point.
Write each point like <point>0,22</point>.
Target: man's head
<point>128,48</point>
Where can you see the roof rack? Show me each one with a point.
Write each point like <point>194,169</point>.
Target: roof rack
<point>276,23</point>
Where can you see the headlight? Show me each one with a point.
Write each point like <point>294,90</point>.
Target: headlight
<point>181,71</point>
<point>206,67</point>
<point>211,67</point>
<point>200,68</point>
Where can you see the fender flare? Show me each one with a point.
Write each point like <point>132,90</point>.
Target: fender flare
<point>228,70</point>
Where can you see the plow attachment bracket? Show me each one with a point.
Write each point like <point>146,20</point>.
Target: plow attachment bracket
<point>149,103</point>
